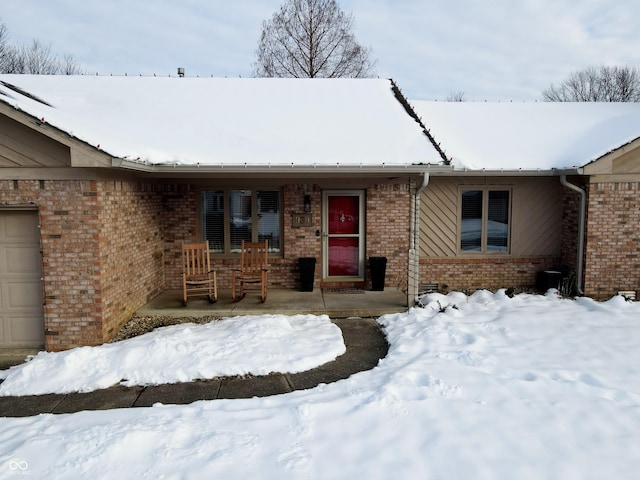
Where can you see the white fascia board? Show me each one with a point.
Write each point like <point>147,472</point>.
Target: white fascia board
<point>436,170</point>
<point>514,172</point>
<point>283,169</point>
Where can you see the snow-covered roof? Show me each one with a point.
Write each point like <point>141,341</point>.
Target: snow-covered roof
<point>230,121</point>
<point>528,136</point>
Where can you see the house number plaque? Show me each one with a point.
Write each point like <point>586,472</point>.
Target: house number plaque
<point>301,220</point>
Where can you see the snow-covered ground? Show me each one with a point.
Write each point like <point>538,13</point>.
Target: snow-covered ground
<point>180,353</point>
<point>479,387</point>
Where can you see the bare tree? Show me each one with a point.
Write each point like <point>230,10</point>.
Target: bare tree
<point>33,58</point>
<point>456,96</point>
<point>4,46</point>
<point>308,39</point>
<point>69,66</point>
<point>4,37</point>
<point>597,84</point>
<point>37,59</point>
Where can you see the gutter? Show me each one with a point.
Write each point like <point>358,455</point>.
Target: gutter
<point>415,240</point>
<point>581,225</point>
<point>553,172</point>
<point>407,168</point>
<point>423,185</point>
<point>410,168</point>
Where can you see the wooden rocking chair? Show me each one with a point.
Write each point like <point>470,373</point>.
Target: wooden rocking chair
<point>198,280</point>
<point>252,273</point>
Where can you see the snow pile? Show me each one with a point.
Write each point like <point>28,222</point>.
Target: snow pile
<point>180,353</point>
<point>479,387</point>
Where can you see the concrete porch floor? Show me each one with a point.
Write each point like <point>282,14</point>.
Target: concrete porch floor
<point>282,301</point>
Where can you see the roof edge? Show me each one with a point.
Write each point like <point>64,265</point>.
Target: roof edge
<point>518,172</point>
<point>433,169</point>
<point>298,169</point>
<point>616,151</point>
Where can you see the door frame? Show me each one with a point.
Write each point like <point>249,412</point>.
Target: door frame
<point>360,193</point>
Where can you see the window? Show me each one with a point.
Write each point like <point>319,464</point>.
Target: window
<point>485,221</point>
<point>230,216</point>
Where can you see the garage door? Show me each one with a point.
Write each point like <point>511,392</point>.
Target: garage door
<point>21,313</point>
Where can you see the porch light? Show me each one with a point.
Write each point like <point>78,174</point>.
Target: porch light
<point>307,204</point>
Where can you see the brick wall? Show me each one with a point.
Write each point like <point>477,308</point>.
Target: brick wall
<point>470,274</point>
<point>102,254</point>
<point>70,229</point>
<point>300,241</point>
<point>179,224</point>
<point>131,249</point>
<point>388,210</point>
<point>612,258</point>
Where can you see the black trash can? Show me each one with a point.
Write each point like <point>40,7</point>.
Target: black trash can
<point>378,267</point>
<point>307,273</point>
<point>548,279</point>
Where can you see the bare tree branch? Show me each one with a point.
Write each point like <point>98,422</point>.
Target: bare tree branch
<point>456,96</point>
<point>311,38</point>
<point>34,58</point>
<point>597,84</point>
<point>38,59</point>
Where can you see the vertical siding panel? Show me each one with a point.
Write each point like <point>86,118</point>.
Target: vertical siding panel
<point>537,217</point>
<point>438,218</point>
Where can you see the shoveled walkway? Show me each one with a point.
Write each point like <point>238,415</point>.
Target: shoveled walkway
<point>365,342</point>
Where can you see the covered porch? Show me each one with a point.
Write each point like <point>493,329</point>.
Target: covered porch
<point>336,303</point>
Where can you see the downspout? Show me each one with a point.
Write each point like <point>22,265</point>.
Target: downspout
<point>414,258</point>
<point>581,225</point>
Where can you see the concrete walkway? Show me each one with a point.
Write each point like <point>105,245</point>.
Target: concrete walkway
<point>365,342</point>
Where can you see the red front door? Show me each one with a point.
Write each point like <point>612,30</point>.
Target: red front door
<point>343,235</point>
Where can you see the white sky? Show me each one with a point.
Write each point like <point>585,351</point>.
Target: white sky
<point>498,50</point>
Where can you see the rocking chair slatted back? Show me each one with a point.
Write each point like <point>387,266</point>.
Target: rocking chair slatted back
<point>196,260</point>
<point>254,257</point>
<point>198,279</point>
<point>253,269</point>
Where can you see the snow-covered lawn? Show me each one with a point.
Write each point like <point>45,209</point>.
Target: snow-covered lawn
<point>479,387</point>
<point>180,353</point>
